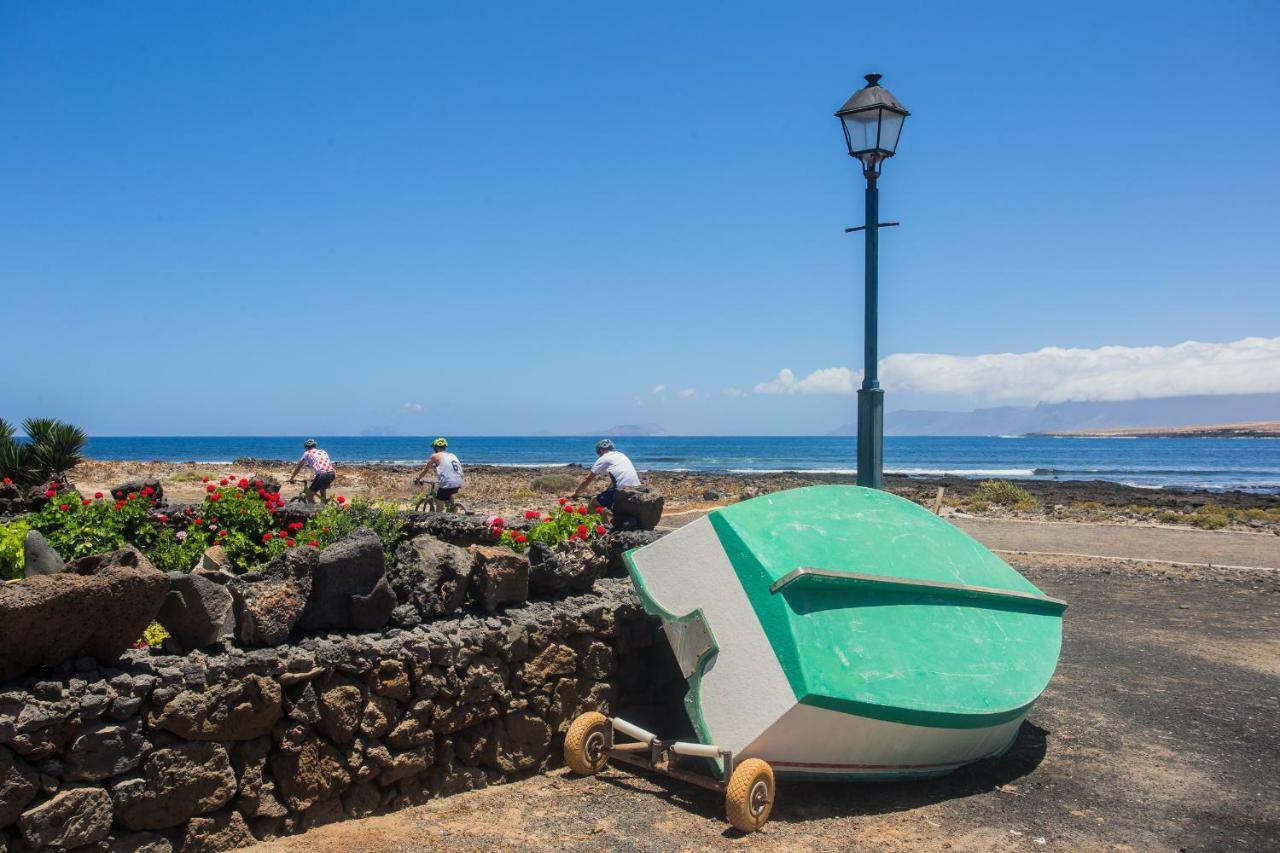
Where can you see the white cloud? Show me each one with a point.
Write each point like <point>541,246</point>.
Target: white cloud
<point>828,380</point>
<point>1056,374</point>
<point>413,407</point>
<point>732,392</point>
<point>658,389</point>
<point>687,392</point>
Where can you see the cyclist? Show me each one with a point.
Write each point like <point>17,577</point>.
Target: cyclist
<point>448,477</point>
<point>614,464</point>
<point>318,461</point>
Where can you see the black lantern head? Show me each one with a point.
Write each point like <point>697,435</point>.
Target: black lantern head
<point>872,121</point>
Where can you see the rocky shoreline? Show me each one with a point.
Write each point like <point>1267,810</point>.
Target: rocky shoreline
<point>499,490</point>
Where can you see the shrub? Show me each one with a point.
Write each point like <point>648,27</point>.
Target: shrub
<point>336,521</point>
<point>1209,517</point>
<point>51,450</point>
<point>1004,493</point>
<point>78,527</point>
<point>11,550</point>
<point>191,477</point>
<point>554,484</point>
<point>562,524</point>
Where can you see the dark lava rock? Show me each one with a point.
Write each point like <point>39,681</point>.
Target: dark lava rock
<point>98,606</point>
<point>462,530</point>
<point>570,565</point>
<point>637,509</point>
<point>622,541</point>
<point>197,611</point>
<point>19,784</point>
<point>268,603</point>
<point>350,589</point>
<point>431,575</point>
<point>70,818</point>
<point>176,784</point>
<point>297,511</point>
<point>501,576</point>
<point>38,556</point>
<point>243,709</point>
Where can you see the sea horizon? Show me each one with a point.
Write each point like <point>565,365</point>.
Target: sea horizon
<point>1250,464</point>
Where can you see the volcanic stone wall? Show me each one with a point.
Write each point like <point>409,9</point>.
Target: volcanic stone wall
<point>210,751</point>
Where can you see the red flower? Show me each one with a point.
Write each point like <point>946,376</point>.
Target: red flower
<point>98,495</point>
<point>119,504</point>
<point>211,488</point>
<point>85,502</point>
<point>499,522</point>
<point>582,530</point>
<point>244,484</point>
<point>271,510</point>
<point>199,521</point>
<point>222,533</point>
<point>204,479</point>
<point>223,481</point>
<point>266,537</point>
<point>314,544</point>
<point>582,510</point>
<point>520,537</point>
<point>495,532</point>
<point>257,484</point>
<point>64,507</point>
<point>341,499</point>
<point>133,496</point>
<point>563,501</point>
<point>568,509</point>
<point>215,496</point>
<point>147,490</point>
<point>162,518</point>
<point>599,529</point>
<point>8,482</point>
<point>290,542</point>
<point>49,493</point>
<point>53,484</point>
<point>530,513</point>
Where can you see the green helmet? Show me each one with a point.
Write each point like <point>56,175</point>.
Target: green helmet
<point>439,443</point>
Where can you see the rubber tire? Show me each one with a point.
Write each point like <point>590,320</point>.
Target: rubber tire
<point>737,797</point>
<point>575,744</point>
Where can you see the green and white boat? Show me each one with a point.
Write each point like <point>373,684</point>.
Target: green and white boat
<point>844,632</point>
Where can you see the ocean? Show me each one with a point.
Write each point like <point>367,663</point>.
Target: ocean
<point>1251,464</point>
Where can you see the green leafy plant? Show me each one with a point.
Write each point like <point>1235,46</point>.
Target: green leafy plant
<point>564,523</point>
<point>12,557</point>
<point>336,521</point>
<point>77,527</point>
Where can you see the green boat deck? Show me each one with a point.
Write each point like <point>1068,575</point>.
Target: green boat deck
<point>876,607</point>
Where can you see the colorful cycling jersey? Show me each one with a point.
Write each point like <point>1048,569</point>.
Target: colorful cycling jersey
<point>317,460</point>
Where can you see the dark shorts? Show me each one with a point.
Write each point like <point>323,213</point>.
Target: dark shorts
<point>323,481</point>
<point>443,494</point>
<point>605,498</point>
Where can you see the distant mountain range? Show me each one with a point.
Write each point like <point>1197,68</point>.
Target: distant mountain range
<point>631,429</point>
<point>1059,417</point>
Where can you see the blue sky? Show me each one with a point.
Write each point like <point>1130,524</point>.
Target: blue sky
<point>278,218</point>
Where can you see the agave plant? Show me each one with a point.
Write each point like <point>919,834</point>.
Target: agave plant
<point>52,448</point>
<point>55,446</point>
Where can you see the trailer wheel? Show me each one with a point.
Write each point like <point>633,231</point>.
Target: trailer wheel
<point>585,747</point>
<point>749,797</point>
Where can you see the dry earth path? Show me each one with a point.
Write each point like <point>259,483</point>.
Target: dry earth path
<point>1160,731</point>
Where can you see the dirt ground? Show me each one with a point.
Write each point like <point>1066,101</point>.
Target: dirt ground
<point>1160,731</point>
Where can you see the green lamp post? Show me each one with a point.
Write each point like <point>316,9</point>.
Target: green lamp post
<point>872,121</point>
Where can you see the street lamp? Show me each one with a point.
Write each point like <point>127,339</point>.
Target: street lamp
<point>872,121</point>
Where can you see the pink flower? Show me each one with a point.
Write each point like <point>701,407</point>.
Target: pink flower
<point>180,535</point>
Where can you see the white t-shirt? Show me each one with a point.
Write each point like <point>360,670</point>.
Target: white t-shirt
<point>448,471</point>
<point>618,467</point>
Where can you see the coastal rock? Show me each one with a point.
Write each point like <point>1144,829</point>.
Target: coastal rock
<point>122,491</point>
<point>69,818</point>
<point>620,542</point>
<point>268,603</point>
<point>98,606</point>
<point>500,576</point>
<point>19,784</point>
<point>177,784</point>
<point>197,612</point>
<point>570,565</point>
<point>637,508</point>
<point>242,709</point>
<point>431,575</point>
<point>463,530</point>
<point>38,556</point>
<point>349,590</point>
